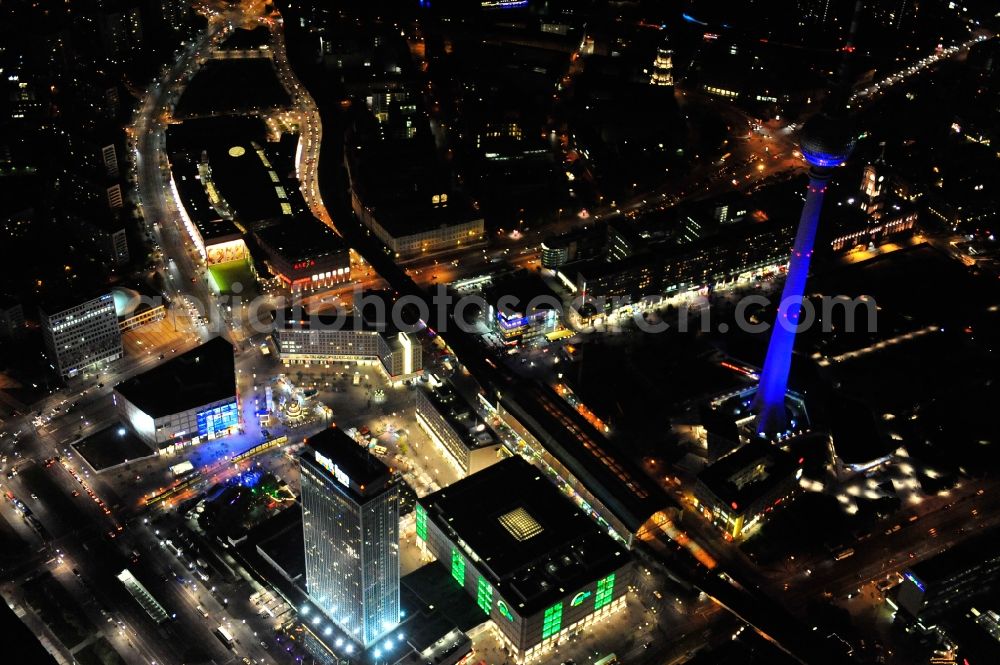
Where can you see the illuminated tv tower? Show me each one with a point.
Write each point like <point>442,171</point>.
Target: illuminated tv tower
<point>825,143</point>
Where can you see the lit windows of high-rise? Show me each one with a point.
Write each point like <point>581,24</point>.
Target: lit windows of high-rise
<point>82,336</point>
<point>350,521</point>
<point>663,66</point>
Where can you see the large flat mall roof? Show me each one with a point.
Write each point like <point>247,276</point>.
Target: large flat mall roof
<point>203,375</point>
<point>531,542</point>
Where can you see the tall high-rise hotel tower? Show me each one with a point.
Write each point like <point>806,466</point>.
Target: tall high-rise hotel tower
<point>350,523</point>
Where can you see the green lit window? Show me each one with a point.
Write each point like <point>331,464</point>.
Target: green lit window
<point>484,595</point>
<point>552,621</point>
<point>605,592</point>
<point>457,567</point>
<point>421,522</point>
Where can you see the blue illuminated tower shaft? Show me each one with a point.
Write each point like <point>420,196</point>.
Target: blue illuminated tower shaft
<point>770,399</point>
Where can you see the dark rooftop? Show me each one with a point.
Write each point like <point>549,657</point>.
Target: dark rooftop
<point>396,180</point>
<point>203,375</point>
<point>56,302</point>
<point>709,257</point>
<point>721,479</point>
<point>195,200</point>
<point>529,540</point>
<point>596,234</point>
<point>281,539</point>
<point>432,586</point>
<point>111,446</point>
<point>233,84</point>
<point>461,415</point>
<point>292,318</point>
<point>857,437</point>
<point>301,239</point>
<point>242,38</point>
<point>366,475</point>
<point>253,177</point>
<point>976,629</point>
<point>250,178</point>
<point>960,559</point>
<point>376,305</point>
<point>524,288</point>
<point>597,462</point>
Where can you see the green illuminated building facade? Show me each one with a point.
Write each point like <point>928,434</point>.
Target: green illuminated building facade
<point>537,567</point>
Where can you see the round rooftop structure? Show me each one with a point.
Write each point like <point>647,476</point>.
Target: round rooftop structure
<point>126,300</point>
<point>826,141</point>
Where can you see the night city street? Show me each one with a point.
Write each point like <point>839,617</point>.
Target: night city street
<point>499,332</point>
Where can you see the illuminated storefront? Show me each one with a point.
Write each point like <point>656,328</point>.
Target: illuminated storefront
<point>522,306</point>
<point>515,326</point>
<point>218,421</point>
<point>305,255</point>
<point>170,432</point>
<point>185,401</point>
<point>740,490</point>
<point>322,338</point>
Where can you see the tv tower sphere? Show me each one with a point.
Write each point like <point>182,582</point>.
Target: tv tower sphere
<point>825,141</point>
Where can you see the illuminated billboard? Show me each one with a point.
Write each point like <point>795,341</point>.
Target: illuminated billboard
<point>330,466</point>
<point>212,422</point>
<point>224,252</point>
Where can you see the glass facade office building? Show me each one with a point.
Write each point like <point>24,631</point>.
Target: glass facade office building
<point>350,521</point>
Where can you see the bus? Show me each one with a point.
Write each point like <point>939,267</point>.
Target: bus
<point>224,636</point>
<point>174,549</point>
<point>840,555</point>
<point>610,659</point>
